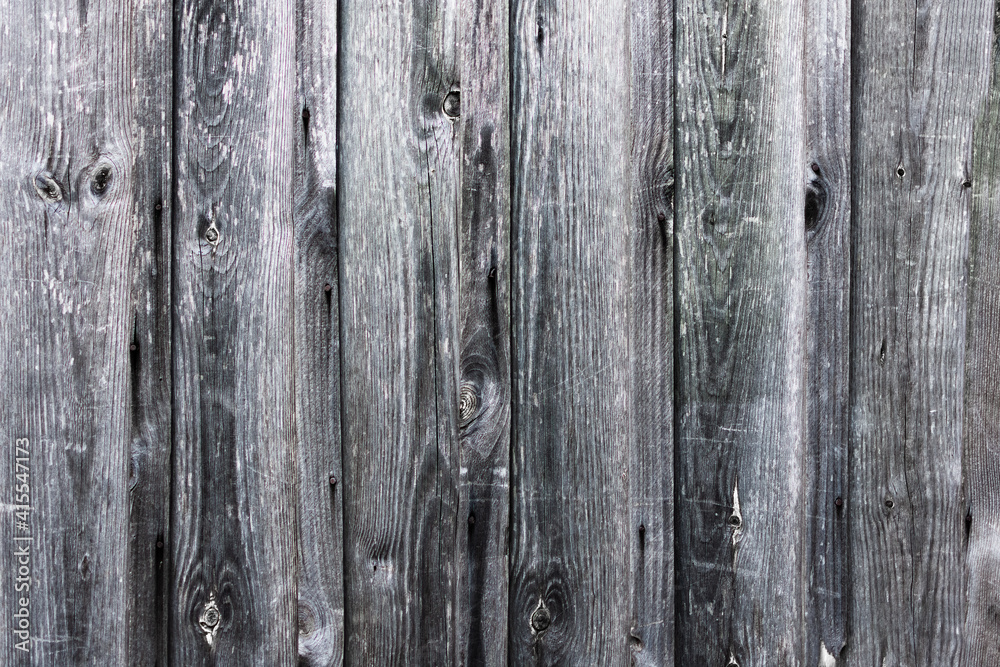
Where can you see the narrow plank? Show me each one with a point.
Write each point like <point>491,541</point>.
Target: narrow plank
<point>981,455</point>
<point>317,340</point>
<point>150,347</point>
<point>234,533</point>
<point>399,201</point>
<point>484,312</point>
<point>828,238</point>
<point>740,289</point>
<point>919,76</point>
<point>572,418</point>
<point>651,457</point>
<point>81,170</point>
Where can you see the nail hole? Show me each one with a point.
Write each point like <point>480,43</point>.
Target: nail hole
<point>333,480</point>
<point>839,502</point>
<point>889,504</point>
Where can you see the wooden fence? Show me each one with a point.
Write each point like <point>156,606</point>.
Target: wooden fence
<point>500,332</point>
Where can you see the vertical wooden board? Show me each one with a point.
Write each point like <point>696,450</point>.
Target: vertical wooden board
<point>317,340</point>
<point>651,454</point>
<point>82,168</point>
<point>981,454</point>
<point>919,76</point>
<point>484,312</point>
<point>828,225</point>
<point>398,210</point>
<point>740,290</point>
<point>234,533</point>
<point>571,282</point>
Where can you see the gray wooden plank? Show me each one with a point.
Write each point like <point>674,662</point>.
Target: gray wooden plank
<point>399,201</point>
<point>317,340</point>
<point>919,75</point>
<point>572,418</point>
<point>740,290</point>
<point>81,170</point>
<point>651,455</point>
<point>981,455</point>
<point>483,105</point>
<point>828,225</point>
<point>234,532</point>
<point>150,347</point>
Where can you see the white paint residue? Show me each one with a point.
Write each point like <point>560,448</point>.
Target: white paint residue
<point>825,659</point>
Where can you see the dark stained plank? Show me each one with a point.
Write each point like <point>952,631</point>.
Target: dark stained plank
<point>572,418</point>
<point>484,312</point>
<point>150,347</point>
<point>651,456</point>
<point>399,202</point>
<point>981,454</point>
<point>317,336</point>
<point>919,77</point>
<point>82,147</point>
<point>828,238</point>
<point>234,532</point>
<point>740,289</point>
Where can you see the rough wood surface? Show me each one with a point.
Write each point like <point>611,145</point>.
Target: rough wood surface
<point>82,149</point>
<point>828,237</point>
<point>571,256</point>
<point>981,455</point>
<point>484,311</point>
<point>317,340</point>
<point>651,454</point>
<point>399,203</point>
<point>234,505</point>
<point>740,271</point>
<point>919,76</point>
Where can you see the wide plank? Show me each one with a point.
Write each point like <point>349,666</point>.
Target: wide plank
<point>741,516</point>
<point>399,201</point>
<point>85,430</point>
<point>920,73</point>
<point>572,418</point>
<point>234,532</point>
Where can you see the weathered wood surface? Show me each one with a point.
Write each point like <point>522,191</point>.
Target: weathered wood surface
<point>740,297</point>
<point>484,311</point>
<point>651,454</point>
<point>919,79</point>
<point>981,456</point>
<point>379,333</point>
<point>234,537</point>
<point>398,217</point>
<point>828,238</point>
<point>317,335</point>
<point>86,425</point>
<point>572,421</point>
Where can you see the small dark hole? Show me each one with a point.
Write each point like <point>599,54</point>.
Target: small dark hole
<point>966,183</point>
<point>889,503</point>
<point>839,502</point>
<point>900,172</point>
<point>734,520</point>
<point>472,520</point>
<point>815,168</point>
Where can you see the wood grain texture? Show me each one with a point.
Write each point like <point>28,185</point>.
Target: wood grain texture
<point>234,531</point>
<point>571,285</point>
<point>317,340</point>
<point>651,454</point>
<point>740,290</point>
<point>82,164</point>
<point>484,312</point>
<point>399,205</point>
<point>981,454</point>
<point>828,237</point>
<point>919,76</point>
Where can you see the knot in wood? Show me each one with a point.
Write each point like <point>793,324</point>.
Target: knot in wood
<point>468,403</point>
<point>209,619</point>
<point>47,188</point>
<point>212,234</point>
<point>452,105</point>
<point>102,179</point>
<point>540,618</point>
